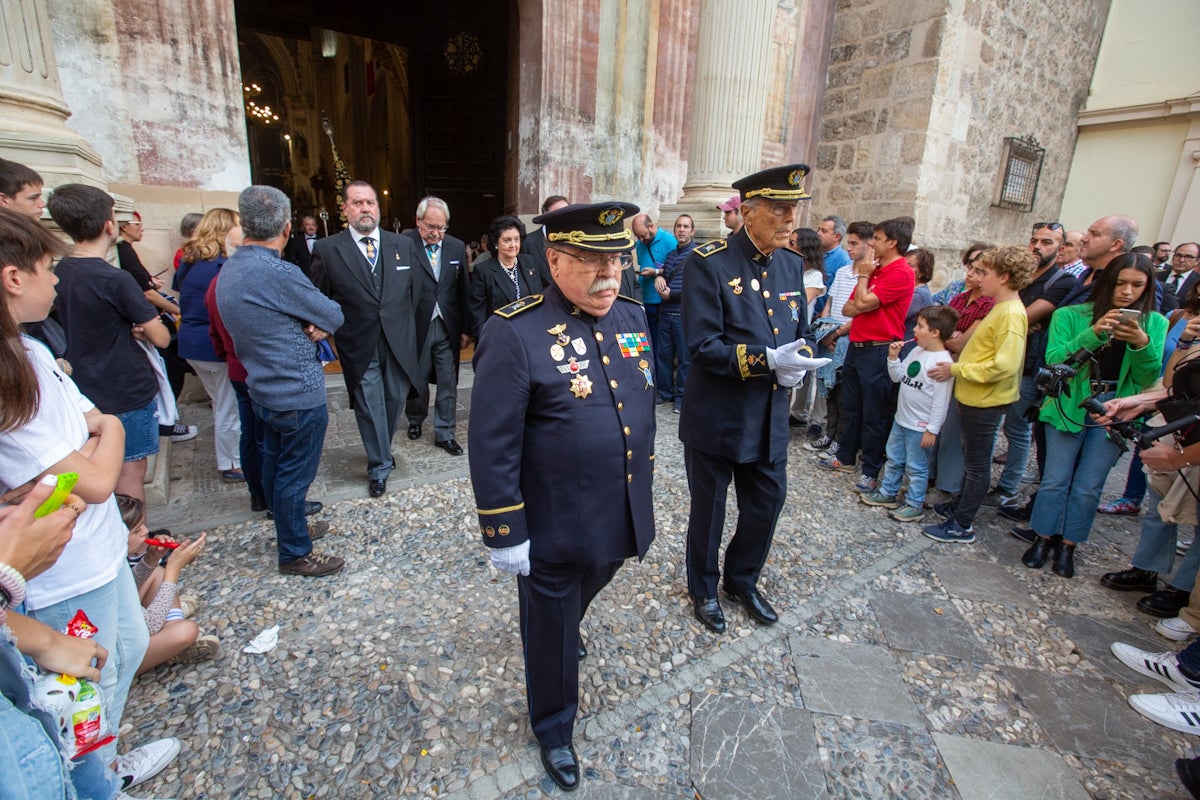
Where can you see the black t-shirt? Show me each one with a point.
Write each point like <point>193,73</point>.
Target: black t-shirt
<point>130,262</point>
<point>1060,285</point>
<point>98,305</point>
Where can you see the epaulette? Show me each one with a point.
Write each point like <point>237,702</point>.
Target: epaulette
<point>630,299</point>
<point>517,306</point>
<point>708,248</point>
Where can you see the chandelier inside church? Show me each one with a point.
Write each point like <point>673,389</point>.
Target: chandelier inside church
<point>257,110</point>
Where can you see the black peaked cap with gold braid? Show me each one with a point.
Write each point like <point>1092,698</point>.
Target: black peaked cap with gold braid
<point>594,226</point>
<point>776,183</point>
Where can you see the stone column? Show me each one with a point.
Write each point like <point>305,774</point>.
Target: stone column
<point>33,113</point>
<point>729,106</point>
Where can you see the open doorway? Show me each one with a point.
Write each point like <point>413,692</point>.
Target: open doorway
<point>414,96</point>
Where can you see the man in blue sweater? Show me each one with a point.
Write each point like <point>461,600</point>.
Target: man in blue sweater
<point>276,316</point>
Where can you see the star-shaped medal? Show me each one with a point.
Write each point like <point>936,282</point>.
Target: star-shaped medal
<point>581,386</point>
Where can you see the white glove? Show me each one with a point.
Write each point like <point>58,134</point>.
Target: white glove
<point>790,366</point>
<point>513,560</point>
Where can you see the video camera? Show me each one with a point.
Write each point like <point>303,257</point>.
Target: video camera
<point>1052,380</point>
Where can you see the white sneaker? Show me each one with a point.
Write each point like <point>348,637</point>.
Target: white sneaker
<point>1176,629</point>
<point>1163,667</point>
<point>143,763</point>
<point>1179,712</point>
<point>1182,546</point>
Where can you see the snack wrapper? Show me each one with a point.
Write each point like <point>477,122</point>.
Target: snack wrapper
<point>76,704</point>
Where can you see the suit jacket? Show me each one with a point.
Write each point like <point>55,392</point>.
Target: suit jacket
<point>491,288</point>
<point>562,451</point>
<point>736,303</point>
<point>1191,280</point>
<point>340,270</point>
<point>534,246</point>
<point>296,251</point>
<point>448,291</point>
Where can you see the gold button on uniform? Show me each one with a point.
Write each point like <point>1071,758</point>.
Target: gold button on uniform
<point>620,406</point>
<point>764,273</point>
<point>626,430</point>
<point>628,454</point>
<point>766,293</point>
<point>599,336</point>
<point>629,478</point>
<point>613,383</point>
<point>605,360</point>
<point>770,312</point>
<point>776,331</point>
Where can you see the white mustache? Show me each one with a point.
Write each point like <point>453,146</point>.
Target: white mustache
<point>605,284</point>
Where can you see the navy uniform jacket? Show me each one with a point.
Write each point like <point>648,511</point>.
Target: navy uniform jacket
<point>562,431</point>
<point>736,303</point>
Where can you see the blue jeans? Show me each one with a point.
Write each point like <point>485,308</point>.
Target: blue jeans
<point>1135,483</point>
<point>1019,433</point>
<point>291,453</point>
<point>1156,548</point>
<point>671,349</point>
<point>905,455</point>
<point>865,421</point>
<point>250,442</point>
<point>1067,499</point>
<point>116,611</point>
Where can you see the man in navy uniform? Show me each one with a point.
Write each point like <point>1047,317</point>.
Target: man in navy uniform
<point>562,453</point>
<point>744,321</point>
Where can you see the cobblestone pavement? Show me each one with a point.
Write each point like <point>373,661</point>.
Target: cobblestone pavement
<point>900,667</point>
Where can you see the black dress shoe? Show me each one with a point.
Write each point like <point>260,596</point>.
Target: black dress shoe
<point>756,604</point>
<point>414,431</point>
<point>1164,603</point>
<point>1045,546</point>
<point>258,503</point>
<point>450,446</point>
<point>1131,580</point>
<point>1064,562</point>
<point>562,765</point>
<point>1188,770</point>
<point>310,507</point>
<point>377,486</point>
<point>708,611</point>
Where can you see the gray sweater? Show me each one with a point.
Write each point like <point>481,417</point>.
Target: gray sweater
<point>265,302</point>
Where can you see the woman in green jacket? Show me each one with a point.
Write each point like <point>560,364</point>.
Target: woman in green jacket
<point>1126,353</point>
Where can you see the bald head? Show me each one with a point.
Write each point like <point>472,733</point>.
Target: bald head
<point>643,228</point>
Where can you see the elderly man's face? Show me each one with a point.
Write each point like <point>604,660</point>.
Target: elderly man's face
<point>309,225</point>
<point>432,226</point>
<point>1069,252</point>
<point>589,280</point>
<point>769,222</point>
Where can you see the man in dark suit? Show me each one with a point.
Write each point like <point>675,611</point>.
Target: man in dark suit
<point>441,303</point>
<point>300,246</point>
<point>1182,275</point>
<point>744,337</point>
<point>568,381</point>
<point>370,272</point>
<point>535,243</point>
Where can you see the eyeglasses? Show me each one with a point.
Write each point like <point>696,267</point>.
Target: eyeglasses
<point>1184,257</point>
<point>599,261</point>
<point>777,207</point>
<point>433,228</point>
<point>1054,226</point>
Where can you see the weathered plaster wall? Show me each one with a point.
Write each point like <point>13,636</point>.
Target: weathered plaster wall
<point>603,100</point>
<point>156,88</point>
<point>920,96</point>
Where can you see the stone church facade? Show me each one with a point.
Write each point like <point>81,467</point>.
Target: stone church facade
<point>900,107</point>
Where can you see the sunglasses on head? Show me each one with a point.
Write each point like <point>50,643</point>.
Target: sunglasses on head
<point>1054,226</point>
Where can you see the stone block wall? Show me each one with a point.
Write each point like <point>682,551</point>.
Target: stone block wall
<point>920,96</point>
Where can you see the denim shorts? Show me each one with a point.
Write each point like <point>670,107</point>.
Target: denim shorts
<point>141,431</point>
